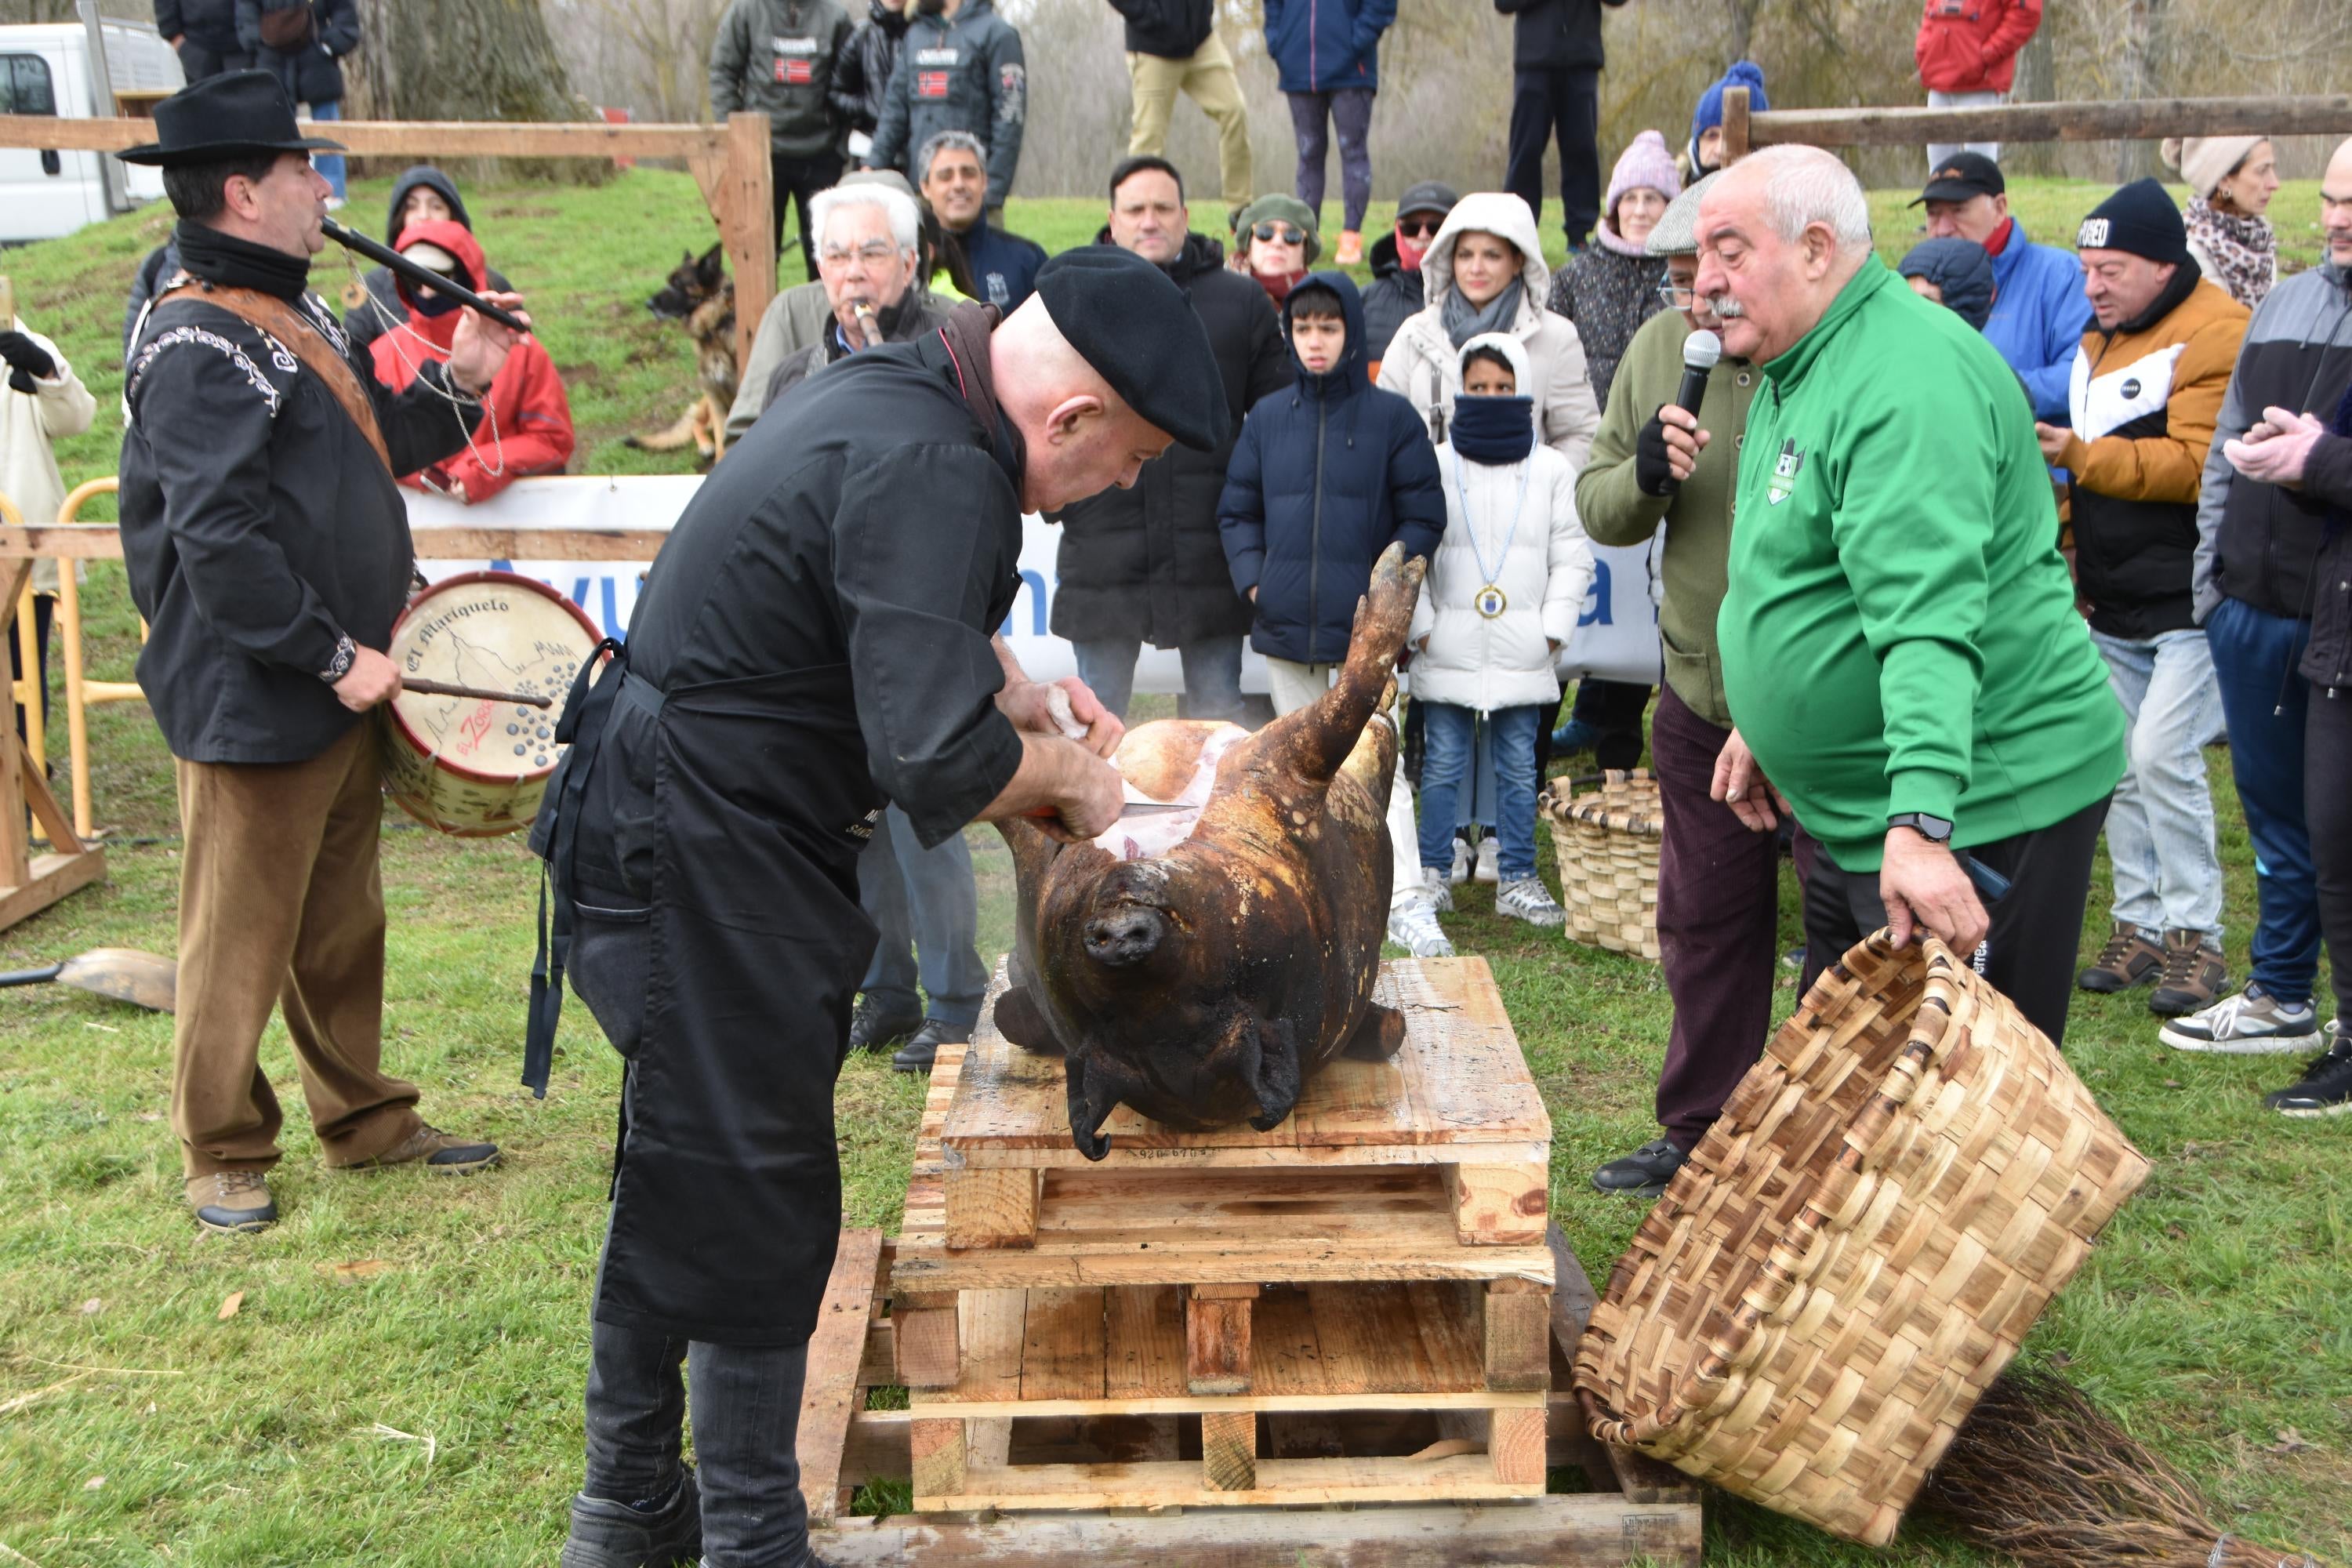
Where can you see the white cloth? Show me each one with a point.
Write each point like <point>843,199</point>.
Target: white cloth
<point>1940,153</point>
<point>29,421</point>
<point>1293,687</point>
<point>1422,362</point>
<point>1544,567</point>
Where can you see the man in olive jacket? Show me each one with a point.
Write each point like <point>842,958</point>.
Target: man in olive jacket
<point>778,57</point>
<point>1718,884</point>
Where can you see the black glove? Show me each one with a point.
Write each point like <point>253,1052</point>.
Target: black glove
<point>27,362</point>
<point>1652,474</point>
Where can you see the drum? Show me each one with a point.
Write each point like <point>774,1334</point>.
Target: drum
<point>462,765</point>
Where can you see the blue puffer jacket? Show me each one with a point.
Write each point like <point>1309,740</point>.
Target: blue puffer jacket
<point>1325,476</point>
<point>1320,45</point>
<point>2039,316</point>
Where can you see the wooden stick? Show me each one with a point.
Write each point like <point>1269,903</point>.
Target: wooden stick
<point>443,688</point>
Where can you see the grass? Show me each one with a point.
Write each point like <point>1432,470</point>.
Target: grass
<point>426,1412</point>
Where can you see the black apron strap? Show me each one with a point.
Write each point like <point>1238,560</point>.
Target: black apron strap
<point>587,710</point>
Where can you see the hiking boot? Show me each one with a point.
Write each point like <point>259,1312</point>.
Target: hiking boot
<point>232,1201</point>
<point>917,1054</point>
<point>872,1027</point>
<point>1644,1173</point>
<point>2129,959</point>
<point>1414,927</point>
<point>2254,1022</point>
<point>1441,887</point>
<point>1576,735</point>
<point>441,1153</point>
<point>607,1534</point>
<point>1526,899</point>
<point>2325,1087</point>
<point>1351,249</point>
<point>1489,868</point>
<point>2193,974</point>
<point>1461,872</point>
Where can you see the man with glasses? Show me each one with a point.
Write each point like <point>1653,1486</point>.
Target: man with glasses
<point>1395,293</point>
<point>1148,564</point>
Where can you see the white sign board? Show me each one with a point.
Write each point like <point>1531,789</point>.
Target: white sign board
<point>1617,638</point>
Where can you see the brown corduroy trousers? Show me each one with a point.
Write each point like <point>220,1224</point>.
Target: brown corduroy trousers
<point>281,904</point>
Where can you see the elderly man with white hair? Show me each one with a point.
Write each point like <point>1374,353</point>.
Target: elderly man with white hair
<point>1900,647</point>
<point>867,243</point>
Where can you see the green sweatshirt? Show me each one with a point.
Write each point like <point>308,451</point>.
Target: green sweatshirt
<point>1900,634</point>
<point>1698,516</point>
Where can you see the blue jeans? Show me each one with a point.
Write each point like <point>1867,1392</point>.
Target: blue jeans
<point>2255,654</point>
<point>1446,764</point>
<point>2160,825</point>
<point>1213,674</point>
<point>928,908</point>
<point>330,164</point>
<point>747,1411</point>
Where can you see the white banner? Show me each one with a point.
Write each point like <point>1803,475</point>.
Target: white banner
<point>1617,638</point>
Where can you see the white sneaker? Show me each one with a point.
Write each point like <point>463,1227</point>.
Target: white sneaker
<point>1461,872</point>
<point>1490,859</point>
<point>1441,892</point>
<point>1413,926</point>
<point>1529,899</point>
<point>2254,1022</point>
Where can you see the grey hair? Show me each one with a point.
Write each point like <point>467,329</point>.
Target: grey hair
<point>894,204</point>
<point>961,140</point>
<point>1804,185</point>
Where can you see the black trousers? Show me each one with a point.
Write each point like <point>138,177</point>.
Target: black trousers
<point>2327,813</point>
<point>796,180</point>
<point>43,605</point>
<point>1614,709</point>
<point>2037,929</point>
<point>1565,102</point>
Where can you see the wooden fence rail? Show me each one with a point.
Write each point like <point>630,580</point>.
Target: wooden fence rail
<point>2140,119</point>
<point>729,162</point>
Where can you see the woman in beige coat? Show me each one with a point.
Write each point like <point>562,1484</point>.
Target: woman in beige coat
<point>1484,272</point>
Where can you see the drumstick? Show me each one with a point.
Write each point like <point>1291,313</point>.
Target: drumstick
<point>443,688</point>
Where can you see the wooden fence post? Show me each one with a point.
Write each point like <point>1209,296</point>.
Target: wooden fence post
<point>738,182</point>
<point>1734,125</point>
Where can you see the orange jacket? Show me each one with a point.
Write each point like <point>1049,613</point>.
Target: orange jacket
<point>527,424</point>
<point>1971,46</point>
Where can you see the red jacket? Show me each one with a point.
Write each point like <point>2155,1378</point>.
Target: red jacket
<point>1971,46</point>
<point>527,410</point>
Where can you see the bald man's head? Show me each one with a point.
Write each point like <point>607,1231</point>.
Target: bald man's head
<point>1779,234</point>
<point>1081,436</point>
<point>2335,205</point>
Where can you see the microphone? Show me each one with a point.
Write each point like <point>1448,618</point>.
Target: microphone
<point>1701,350</point>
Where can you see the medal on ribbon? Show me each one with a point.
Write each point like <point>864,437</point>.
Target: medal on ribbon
<point>1489,602</point>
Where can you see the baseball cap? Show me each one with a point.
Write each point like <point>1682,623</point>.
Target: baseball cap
<point>1962,176</point>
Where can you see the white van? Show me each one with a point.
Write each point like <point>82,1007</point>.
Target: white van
<point>45,68</point>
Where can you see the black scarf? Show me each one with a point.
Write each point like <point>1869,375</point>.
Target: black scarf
<point>1493,430</point>
<point>212,257</point>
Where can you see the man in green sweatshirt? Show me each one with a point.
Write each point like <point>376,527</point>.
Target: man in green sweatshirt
<point>1899,642</point>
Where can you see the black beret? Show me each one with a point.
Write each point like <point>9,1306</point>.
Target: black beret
<point>1130,322</point>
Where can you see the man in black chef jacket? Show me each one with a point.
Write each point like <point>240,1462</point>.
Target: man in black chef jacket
<point>814,638</point>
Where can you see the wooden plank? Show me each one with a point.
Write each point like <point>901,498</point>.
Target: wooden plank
<point>880,1364</point>
<point>1369,1340</point>
<point>1217,1337</point>
<point>937,1453</point>
<point>1143,1354</point>
<point>1517,1338</point>
<point>1592,1530</point>
<point>1229,1450</point>
<point>942,1403</point>
<point>925,1337</point>
<point>1455,1477</point>
<point>830,1391</point>
<point>1451,1319</point>
<point>993,1326</point>
<point>47,879</point>
<point>1515,1445</point>
<point>876,1448</point>
<point>1062,1346</point>
<point>440,137</point>
<point>991,1208</point>
<point>1284,1348</point>
<point>103,541</point>
<point>1640,1477</point>
<point>1500,1205</point>
<point>1735,141</point>
<point>2138,120</point>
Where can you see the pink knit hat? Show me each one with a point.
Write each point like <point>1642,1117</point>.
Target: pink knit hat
<point>1644,162</point>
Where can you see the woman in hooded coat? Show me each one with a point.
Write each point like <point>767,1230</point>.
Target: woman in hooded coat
<point>1484,272</point>
<point>423,193</point>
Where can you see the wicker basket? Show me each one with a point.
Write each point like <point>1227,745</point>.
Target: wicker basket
<point>1606,840</point>
<point>1853,1251</point>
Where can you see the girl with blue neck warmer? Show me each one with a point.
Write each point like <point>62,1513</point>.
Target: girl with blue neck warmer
<point>1504,590</point>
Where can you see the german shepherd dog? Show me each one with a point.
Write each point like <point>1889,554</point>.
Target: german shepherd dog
<point>700,296</point>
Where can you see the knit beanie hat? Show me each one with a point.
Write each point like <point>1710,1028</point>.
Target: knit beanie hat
<point>1277,208</point>
<point>2139,219</point>
<point>1709,113</point>
<point>1961,272</point>
<point>2206,161</point>
<point>1644,165</point>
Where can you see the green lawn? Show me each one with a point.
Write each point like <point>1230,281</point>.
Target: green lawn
<point>427,1412</point>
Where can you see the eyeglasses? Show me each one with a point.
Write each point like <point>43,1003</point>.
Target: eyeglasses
<point>1278,234</point>
<point>1419,227</point>
<point>874,253</point>
<point>1676,299</point>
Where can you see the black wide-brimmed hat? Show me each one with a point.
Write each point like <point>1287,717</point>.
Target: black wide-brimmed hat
<point>223,116</point>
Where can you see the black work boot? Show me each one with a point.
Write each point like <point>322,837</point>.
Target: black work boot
<point>1644,1173</point>
<point>607,1534</point>
<point>872,1028</point>
<point>917,1054</point>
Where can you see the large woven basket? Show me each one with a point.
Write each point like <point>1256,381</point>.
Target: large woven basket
<point>1607,841</point>
<point>1853,1251</point>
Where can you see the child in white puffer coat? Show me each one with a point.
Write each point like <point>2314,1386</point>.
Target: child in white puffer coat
<point>1502,598</point>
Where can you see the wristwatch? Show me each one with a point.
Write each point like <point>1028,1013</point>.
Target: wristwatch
<point>1934,829</point>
